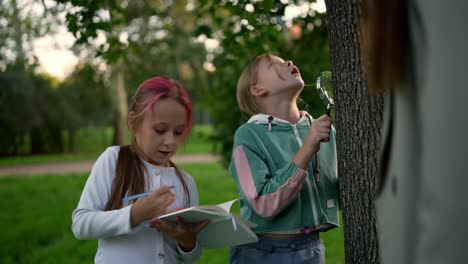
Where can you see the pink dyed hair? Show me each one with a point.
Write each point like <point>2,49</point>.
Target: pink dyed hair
<point>156,88</point>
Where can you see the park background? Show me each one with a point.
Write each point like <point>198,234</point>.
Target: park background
<point>48,119</point>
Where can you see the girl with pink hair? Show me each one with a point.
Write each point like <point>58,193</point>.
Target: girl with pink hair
<point>160,119</point>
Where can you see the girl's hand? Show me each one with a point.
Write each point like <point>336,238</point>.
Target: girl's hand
<point>151,206</point>
<point>184,233</point>
<point>319,132</point>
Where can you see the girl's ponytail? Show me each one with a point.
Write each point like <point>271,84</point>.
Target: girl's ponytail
<point>187,202</point>
<point>129,177</point>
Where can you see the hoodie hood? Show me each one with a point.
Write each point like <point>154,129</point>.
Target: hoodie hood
<point>268,119</point>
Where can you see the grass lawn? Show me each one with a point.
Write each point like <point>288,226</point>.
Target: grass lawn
<point>36,218</point>
<point>91,142</point>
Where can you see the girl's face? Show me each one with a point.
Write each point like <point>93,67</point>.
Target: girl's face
<point>279,76</point>
<point>162,130</point>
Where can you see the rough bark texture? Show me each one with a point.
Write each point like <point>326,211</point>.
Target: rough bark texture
<point>358,122</point>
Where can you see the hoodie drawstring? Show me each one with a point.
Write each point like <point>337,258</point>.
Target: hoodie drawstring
<point>316,167</point>
<point>270,118</point>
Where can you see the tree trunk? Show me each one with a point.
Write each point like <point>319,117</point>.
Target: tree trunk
<point>56,139</point>
<point>18,34</point>
<point>358,123</point>
<point>36,141</point>
<point>118,96</point>
<point>71,140</point>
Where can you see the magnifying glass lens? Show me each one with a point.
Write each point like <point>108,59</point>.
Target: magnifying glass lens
<point>325,89</point>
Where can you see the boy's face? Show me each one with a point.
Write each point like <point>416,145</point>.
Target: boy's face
<point>278,76</point>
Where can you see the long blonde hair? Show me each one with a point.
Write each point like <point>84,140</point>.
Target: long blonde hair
<point>248,78</point>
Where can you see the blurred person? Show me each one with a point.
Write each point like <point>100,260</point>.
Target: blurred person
<point>160,119</point>
<point>415,52</point>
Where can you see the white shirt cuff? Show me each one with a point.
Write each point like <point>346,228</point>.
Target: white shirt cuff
<point>194,251</point>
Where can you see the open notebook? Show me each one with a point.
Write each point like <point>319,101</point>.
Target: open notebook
<point>225,229</point>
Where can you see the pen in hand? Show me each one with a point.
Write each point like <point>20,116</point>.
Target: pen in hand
<point>136,196</point>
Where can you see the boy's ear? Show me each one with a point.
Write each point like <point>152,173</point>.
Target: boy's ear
<point>257,90</point>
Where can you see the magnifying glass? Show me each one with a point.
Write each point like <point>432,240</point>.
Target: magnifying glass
<point>325,89</point>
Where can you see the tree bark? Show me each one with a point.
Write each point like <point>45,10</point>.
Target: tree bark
<point>71,140</point>
<point>118,96</point>
<point>18,34</point>
<point>358,123</point>
<point>35,141</point>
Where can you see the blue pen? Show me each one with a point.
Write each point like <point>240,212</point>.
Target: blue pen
<point>136,196</point>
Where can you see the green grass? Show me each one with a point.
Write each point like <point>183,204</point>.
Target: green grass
<point>37,159</point>
<point>92,142</point>
<point>36,217</point>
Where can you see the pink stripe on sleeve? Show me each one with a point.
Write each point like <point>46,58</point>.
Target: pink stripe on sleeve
<point>270,204</point>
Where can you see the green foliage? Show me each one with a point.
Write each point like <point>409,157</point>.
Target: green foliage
<point>245,35</point>
<point>84,102</point>
<point>36,109</point>
<point>20,24</point>
<point>165,38</point>
<point>33,109</point>
<point>36,214</point>
<point>84,99</point>
<point>151,37</point>
<point>29,105</point>
<point>90,142</point>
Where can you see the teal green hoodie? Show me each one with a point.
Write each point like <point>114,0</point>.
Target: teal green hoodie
<point>275,193</point>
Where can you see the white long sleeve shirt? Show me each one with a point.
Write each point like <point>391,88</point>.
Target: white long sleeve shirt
<point>118,241</point>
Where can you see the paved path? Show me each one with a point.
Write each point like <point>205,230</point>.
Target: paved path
<point>85,166</point>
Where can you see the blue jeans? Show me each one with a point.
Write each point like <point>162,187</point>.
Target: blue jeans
<point>308,249</point>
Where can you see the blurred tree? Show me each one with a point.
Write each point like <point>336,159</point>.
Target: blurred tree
<point>46,132</point>
<point>31,117</point>
<point>166,45</point>
<point>138,40</point>
<point>359,119</point>
<point>20,23</point>
<point>246,29</point>
<point>167,38</point>
<point>84,101</point>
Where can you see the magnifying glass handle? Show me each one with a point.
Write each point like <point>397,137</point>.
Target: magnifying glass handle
<point>328,109</point>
